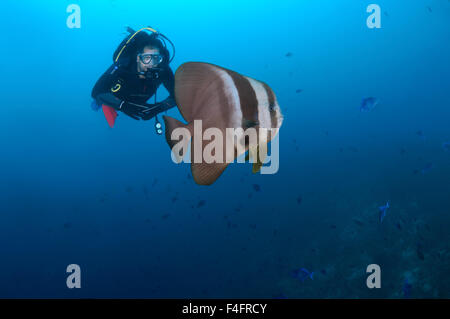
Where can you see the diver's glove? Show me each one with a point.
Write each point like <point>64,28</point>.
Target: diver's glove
<point>154,109</point>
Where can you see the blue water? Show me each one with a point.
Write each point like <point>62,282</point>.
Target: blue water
<point>74,191</point>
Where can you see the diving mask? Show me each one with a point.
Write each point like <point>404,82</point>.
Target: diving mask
<point>148,58</point>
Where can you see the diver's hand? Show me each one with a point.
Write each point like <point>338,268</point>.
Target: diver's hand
<point>154,109</point>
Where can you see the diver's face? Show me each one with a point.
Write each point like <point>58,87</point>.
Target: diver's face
<point>142,67</point>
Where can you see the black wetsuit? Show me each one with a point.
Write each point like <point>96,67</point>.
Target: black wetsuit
<point>127,92</point>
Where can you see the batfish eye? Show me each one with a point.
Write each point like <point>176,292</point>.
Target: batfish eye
<point>272,107</point>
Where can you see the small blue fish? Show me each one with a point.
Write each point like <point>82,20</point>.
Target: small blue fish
<point>368,104</point>
<point>421,134</point>
<point>201,203</point>
<point>165,216</point>
<point>406,288</point>
<point>426,168</point>
<point>446,146</point>
<point>383,210</point>
<point>256,187</point>
<point>302,274</point>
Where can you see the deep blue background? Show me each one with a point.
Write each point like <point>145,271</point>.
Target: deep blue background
<point>75,191</point>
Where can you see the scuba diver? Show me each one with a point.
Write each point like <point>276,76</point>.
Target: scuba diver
<point>141,65</point>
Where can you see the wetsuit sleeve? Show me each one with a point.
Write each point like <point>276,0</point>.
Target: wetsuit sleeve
<point>155,109</point>
<point>102,93</point>
<point>110,100</point>
<point>105,82</point>
<point>102,89</point>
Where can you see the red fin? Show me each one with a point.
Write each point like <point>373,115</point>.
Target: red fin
<point>110,114</point>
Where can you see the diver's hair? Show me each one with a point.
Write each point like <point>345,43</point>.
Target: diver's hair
<point>147,40</point>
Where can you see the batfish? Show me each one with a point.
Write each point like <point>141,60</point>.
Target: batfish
<point>222,99</point>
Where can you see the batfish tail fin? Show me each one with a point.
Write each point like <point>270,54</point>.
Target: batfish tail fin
<point>257,167</point>
<point>254,153</point>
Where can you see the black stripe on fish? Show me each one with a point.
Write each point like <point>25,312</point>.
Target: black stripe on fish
<point>247,99</point>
